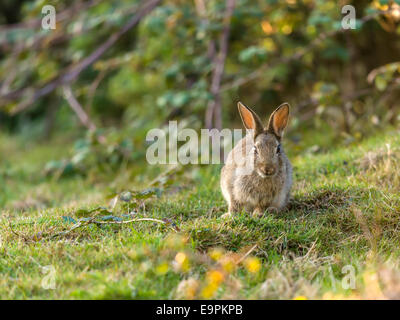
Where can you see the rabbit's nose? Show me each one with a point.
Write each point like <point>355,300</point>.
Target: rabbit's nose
<point>269,171</point>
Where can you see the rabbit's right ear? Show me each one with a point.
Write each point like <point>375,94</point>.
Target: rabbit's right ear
<point>250,119</point>
<point>279,120</point>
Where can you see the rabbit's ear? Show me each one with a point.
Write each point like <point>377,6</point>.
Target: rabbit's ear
<point>250,119</point>
<point>279,119</point>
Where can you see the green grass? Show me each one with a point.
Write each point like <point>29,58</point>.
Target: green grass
<point>344,211</point>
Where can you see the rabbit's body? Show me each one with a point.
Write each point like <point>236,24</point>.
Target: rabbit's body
<point>262,180</point>
<point>251,191</point>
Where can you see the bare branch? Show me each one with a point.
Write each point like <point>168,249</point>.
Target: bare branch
<point>214,107</point>
<point>76,106</point>
<point>93,88</point>
<point>80,112</point>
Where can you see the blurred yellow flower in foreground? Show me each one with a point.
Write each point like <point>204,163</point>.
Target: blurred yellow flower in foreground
<point>209,291</point>
<point>215,277</point>
<point>372,286</point>
<point>162,268</point>
<point>252,264</point>
<point>300,298</point>
<point>227,263</point>
<point>181,262</point>
<point>187,289</point>
<point>216,254</point>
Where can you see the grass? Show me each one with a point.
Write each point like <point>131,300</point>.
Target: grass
<point>344,212</point>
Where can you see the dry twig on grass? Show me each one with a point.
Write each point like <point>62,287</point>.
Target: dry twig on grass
<point>85,223</point>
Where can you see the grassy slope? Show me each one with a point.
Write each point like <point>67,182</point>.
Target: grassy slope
<point>344,211</point>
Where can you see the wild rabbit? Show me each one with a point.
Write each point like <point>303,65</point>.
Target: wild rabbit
<point>257,175</point>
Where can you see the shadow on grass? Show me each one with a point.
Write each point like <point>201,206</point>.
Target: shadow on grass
<point>322,218</point>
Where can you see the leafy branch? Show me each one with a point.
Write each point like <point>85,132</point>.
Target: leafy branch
<point>296,56</point>
<point>31,95</point>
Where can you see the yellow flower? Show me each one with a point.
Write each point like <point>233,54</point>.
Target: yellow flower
<point>216,254</point>
<point>162,268</point>
<point>181,261</point>
<point>252,264</point>
<point>227,264</point>
<point>209,291</point>
<point>300,298</point>
<point>372,286</point>
<point>187,289</point>
<point>180,257</point>
<point>215,277</point>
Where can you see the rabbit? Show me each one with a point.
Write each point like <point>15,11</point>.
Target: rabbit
<point>262,180</point>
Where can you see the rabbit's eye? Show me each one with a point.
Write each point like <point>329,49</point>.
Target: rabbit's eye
<point>255,150</point>
<point>278,148</point>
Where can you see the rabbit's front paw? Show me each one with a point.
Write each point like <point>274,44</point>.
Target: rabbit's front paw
<point>257,213</point>
<point>272,210</point>
<point>226,215</point>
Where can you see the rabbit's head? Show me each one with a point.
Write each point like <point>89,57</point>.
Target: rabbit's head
<point>265,150</point>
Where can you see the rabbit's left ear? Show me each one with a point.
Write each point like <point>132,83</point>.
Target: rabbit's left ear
<point>279,120</point>
<point>250,119</point>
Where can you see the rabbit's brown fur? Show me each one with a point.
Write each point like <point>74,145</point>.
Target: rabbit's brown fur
<point>262,178</point>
